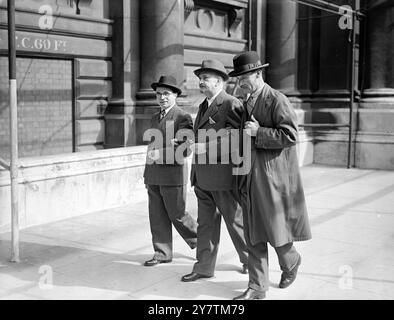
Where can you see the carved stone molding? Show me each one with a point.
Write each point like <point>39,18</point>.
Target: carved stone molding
<point>77,2</point>
<point>189,6</point>
<point>216,19</point>
<point>205,19</point>
<point>235,16</point>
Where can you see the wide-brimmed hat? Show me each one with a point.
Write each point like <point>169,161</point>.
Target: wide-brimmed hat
<point>213,65</point>
<point>168,82</point>
<point>246,62</point>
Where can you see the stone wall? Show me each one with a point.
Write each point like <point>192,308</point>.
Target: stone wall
<point>66,67</point>
<point>61,186</point>
<point>44,107</point>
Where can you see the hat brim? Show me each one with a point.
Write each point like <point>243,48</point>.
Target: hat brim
<point>236,73</point>
<point>221,73</point>
<point>174,88</point>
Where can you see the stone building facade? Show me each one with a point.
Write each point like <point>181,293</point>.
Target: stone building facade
<point>84,79</point>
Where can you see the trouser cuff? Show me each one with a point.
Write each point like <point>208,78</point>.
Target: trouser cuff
<point>257,287</point>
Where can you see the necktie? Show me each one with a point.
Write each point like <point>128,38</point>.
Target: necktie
<point>162,114</point>
<point>250,104</point>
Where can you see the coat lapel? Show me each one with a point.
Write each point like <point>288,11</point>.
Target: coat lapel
<point>169,116</point>
<point>259,99</point>
<point>155,120</point>
<point>198,117</point>
<point>212,109</point>
<point>260,108</point>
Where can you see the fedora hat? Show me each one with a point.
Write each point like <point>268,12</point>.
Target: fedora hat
<point>213,65</point>
<point>246,62</point>
<point>168,82</point>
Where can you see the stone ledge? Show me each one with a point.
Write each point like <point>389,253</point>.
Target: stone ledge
<point>57,187</point>
<point>75,164</point>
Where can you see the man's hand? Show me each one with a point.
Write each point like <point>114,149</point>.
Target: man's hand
<point>154,155</point>
<point>252,127</point>
<point>198,148</point>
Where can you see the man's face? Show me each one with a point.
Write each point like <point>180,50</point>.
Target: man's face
<point>209,83</point>
<point>248,82</point>
<point>165,97</point>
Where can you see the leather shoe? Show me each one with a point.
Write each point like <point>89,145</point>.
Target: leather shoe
<point>245,269</point>
<point>251,294</point>
<point>152,262</point>
<point>193,277</point>
<point>288,278</point>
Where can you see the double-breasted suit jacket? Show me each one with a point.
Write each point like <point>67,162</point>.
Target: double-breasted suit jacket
<point>214,184</point>
<point>225,112</point>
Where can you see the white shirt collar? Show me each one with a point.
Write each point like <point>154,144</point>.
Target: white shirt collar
<point>255,94</point>
<point>168,109</point>
<point>213,98</point>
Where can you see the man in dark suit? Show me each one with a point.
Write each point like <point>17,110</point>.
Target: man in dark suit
<point>165,174</point>
<point>271,193</point>
<point>212,178</point>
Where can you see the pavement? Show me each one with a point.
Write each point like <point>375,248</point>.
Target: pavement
<point>100,255</point>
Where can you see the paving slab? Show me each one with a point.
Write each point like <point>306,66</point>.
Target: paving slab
<point>100,255</point>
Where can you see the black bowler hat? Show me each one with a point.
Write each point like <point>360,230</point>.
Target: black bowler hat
<point>246,62</point>
<point>168,82</point>
<point>213,65</point>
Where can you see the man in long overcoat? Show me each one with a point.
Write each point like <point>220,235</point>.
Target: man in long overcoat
<point>165,174</point>
<point>272,194</point>
<point>212,178</point>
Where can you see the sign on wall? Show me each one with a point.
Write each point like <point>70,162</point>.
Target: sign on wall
<point>57,44</point>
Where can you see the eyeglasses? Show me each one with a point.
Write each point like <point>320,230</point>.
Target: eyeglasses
<point>164,93</point>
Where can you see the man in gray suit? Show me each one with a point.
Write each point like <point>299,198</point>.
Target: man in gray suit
<point>214,183</point>
<point>165,175</point>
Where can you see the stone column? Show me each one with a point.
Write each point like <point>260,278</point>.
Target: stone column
<point>309,50</point>
<point>376,112</point>
<point>161,47</point>
<point>259,27</point>
<point>120,122</point>
<point>282,74</point>
<point>282,45</point>
<point>379,80</point>
<point>161,42</point>
<point>334,64</point>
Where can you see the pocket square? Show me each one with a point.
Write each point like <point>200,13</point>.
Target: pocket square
<point>211,121</point>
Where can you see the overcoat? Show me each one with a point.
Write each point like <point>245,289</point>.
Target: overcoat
<point>272,191</point>
<point>168,171</point>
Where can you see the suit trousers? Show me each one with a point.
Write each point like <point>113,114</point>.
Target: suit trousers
<point>258,260</point>
<point>167,207</point>
<point>208,231</point>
